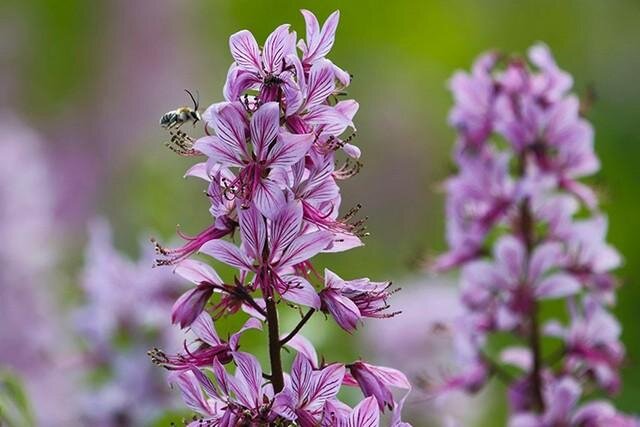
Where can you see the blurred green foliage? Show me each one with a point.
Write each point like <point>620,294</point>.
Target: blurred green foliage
<point>15,409</point>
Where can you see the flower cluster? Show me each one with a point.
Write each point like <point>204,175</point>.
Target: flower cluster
<point>32,334</point>
<point>525,231</point>
<point>271,150</point>
<point>124,314</point>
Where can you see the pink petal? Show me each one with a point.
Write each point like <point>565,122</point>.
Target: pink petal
<point>197,272</point>
<point>245,51</point>
<point>227,253</point>
<point>237,83</point>
<point>268,198</point>
<point>351,151</point>
<point>510,253</point>
<point>305,247</point>
<point>299,291</point>
<point>230,123</point>
<point>326,385</point>
<point>285,227</point>
<point>264,127</point>
<point>290,148</point>
<point>366,414</point>
<point>517,356</point>
<point>345,312</point>
<point>250,371</point>
<point>544,258</point>
<point>348,108</point>
<point>312,25</point>
<point>251,323</point>
<point>199,170</point>
<point>253,230</point>
<point>557,286</point>
<point>301,372</point>
<point>389,376</point>
<point>204,329</point>
<point>302,345</point>
<point>190,304</point>
<point>191,391</point>
<point>218,151</point>
<point>276,47</point>
<point>319,44</point>
<point>321,83</point>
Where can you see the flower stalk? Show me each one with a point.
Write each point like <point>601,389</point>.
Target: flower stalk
<point>269,152</point>
<point>524,230</point>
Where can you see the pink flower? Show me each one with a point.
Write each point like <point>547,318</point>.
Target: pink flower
<point>349,301</point>
<point>267,70</point>
<point>376,381</point>
<point>308,390</point>
<point>207,347</point>
<point>270,148</point>
<point>273,261</point>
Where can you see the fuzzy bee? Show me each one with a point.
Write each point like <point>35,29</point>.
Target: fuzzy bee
<point>178,117</point>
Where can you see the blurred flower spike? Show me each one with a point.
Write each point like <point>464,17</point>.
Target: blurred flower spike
<point>524,230</point>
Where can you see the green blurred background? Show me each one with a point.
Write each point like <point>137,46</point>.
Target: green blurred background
<point>93,77</point>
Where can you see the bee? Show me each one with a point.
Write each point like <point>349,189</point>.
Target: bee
<point>178,117</point>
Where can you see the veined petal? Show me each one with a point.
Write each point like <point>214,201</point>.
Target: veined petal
<point>238,81</point>
<point>245,51</point>
<point>275,49</point>
<point>253,230</point>
<point>264,127</point>
<point>226,252</point>
<point>218,151</point>
<point>289,149</point>
<point>284,404</point>
<point>365,414</point>
<point>326,385</point>
<point>191,392</point>
<point>230,124</point>
<point>250,372</point>
<point>197,272</point>
<point>389,376</point>
<point>344,311</point>
<point>299,291</point>
<point>285,227</point>
<point>319,43</point>
<point>204,329</point>
<point>321,83</point>
<point>312,27</point>
<point>268,198</point>
<point>305,247</point>
<point>301,373</point>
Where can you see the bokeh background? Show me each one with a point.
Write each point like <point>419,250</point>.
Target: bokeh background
<point>90,79</point>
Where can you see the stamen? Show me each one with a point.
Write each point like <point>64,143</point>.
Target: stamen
<point>349,169</point>
<point>181,144</point>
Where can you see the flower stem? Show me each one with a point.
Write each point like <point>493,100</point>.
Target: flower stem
<point>526,225</point>
<point>277,377</point>
<point>299,326</point>
<point>527,231</point>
